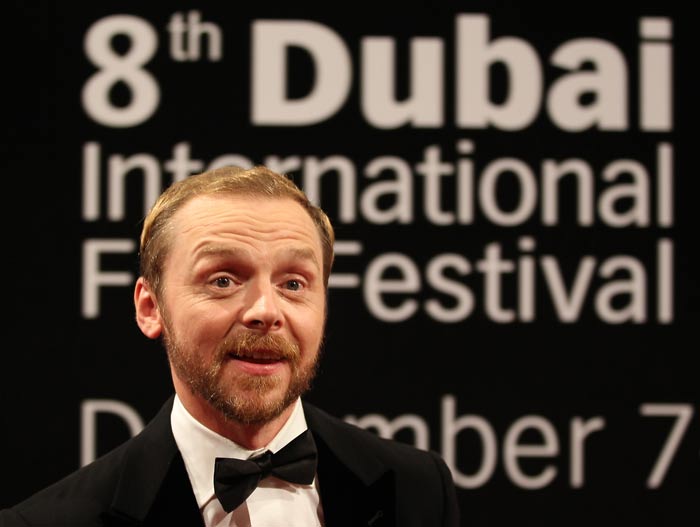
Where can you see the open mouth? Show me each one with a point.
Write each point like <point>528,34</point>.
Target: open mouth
<point>257,358</point>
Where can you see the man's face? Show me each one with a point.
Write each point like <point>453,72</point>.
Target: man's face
<point>243,303</point>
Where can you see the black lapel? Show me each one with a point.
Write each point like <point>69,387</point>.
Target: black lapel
<point>356,488</point>
<point>175,503</point>
<point>154,488</point>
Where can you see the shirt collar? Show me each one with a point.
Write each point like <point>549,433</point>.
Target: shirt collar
<point>200,446</point>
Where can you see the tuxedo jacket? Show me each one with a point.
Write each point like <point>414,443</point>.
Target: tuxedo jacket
<point>364,480</point>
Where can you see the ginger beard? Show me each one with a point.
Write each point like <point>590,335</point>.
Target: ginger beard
<point>242,398</point>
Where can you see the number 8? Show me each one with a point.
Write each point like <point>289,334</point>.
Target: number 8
<point>145,93</point>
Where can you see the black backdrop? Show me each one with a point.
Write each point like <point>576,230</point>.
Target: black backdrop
<point>535,330</point>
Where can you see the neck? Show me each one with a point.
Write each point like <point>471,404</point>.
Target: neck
<point>249,436</point>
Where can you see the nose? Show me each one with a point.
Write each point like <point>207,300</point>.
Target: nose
<point>262,311</point>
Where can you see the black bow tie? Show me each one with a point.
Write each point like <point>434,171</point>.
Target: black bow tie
<point>236,479</point>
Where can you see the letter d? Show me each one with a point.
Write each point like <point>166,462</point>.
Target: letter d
<point>270,104</point>
<point>88,432</point>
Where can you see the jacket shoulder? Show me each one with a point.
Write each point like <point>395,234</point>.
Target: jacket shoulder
<point>423,483</point>
<point>353,444</point>
<point>83,494</point>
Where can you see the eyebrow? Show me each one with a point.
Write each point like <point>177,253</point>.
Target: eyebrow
<point>302,254</point>
<point>218,250</point>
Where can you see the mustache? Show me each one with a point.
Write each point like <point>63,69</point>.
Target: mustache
<point>248,344</point>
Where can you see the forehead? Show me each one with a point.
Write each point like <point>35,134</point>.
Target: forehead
<point>250,220</point>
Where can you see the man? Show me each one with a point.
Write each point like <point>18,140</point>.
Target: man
<point>234,271</point>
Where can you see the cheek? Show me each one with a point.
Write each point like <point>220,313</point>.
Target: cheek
<point>310,331</point>
<point>206,330</point>
<point>199,326</point>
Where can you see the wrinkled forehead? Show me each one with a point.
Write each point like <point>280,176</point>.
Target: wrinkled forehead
<point>246,219</point>
<point>236,207</point>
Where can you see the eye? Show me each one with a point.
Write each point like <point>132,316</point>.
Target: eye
<point>222,282</point>
<point>293,285</point>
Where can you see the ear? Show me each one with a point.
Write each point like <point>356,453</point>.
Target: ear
<point>147,312</point>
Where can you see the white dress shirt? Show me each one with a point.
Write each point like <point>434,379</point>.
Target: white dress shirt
<point>275,503</point>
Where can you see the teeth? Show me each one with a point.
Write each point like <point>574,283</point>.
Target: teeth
<point>262,355</point>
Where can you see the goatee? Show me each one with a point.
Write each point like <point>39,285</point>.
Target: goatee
<point>243,398</point>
